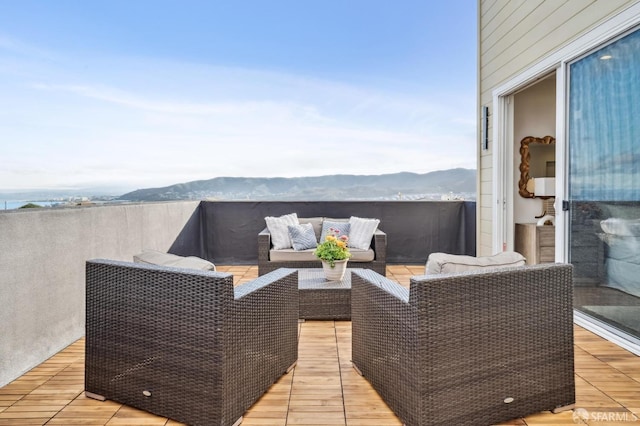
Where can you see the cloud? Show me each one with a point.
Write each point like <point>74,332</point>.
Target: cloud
<point>154,123</point>
<point>11,46</point>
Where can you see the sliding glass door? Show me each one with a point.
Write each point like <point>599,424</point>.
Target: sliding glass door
<point>604,184</point>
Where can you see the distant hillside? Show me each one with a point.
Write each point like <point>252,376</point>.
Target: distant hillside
<point>333,187</point>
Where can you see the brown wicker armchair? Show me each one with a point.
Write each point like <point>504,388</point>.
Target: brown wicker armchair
<point>186,344</point>
<point>468,349</point>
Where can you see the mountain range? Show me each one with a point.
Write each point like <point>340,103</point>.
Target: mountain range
<point>404,185</point>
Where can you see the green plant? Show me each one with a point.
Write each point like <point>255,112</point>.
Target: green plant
<point>333,248</point>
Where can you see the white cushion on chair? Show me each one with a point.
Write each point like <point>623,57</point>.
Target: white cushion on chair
<point>152,257</point>
<point>443,263</point>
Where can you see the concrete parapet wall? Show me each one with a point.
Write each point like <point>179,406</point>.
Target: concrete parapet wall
<point>42,260</point>
<point>42,268</point>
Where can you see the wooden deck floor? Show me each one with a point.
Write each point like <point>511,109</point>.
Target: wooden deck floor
<point>323,389</point>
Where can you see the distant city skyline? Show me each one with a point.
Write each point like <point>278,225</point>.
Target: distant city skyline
<point>127,95</point>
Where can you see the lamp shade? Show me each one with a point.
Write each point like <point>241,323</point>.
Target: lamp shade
<point>545,187</point>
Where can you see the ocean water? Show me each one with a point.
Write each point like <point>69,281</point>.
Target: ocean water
<point>13,204</point>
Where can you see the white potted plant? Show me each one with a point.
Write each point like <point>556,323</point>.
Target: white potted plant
<point>334,254</point>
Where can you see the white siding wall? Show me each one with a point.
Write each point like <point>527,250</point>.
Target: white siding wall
<point>514,35</point>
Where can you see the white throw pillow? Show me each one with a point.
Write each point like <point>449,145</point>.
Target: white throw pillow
<point>361,232</point>
<point>279,230</point>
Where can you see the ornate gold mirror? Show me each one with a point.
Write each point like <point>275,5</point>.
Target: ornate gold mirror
<point>537,159</point>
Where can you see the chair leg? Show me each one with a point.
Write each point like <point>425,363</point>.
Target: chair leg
<point>94,396</point>
<point>355,367</point>
<point>291,367</point>
<point>237,423</point>
<point>563,408</point>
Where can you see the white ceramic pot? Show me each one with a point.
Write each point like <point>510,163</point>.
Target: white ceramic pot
<point>337,272</point>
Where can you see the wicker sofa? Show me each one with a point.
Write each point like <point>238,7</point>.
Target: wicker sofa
<point>270,259</point>
<point>186,344</point>
<point>476,348</point>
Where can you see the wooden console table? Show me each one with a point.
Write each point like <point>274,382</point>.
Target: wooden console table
<point>536,243</point>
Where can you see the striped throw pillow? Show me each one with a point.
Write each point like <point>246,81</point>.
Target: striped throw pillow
<point>361,232</point>
<point>302,236</point>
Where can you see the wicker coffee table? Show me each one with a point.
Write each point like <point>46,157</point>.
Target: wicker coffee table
<point>322,299</point>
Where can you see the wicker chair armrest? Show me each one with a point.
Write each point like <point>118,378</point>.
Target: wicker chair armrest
<point>270,302</point>
<point>393,290</point>
<point>384,336</point>
<point>246,289</point>
<point>264,326</point>
<point>264,245</point>
<point>265,231</point>
<point>379,245</point>
<point>381,307</point>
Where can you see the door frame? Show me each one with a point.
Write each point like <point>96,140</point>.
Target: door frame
<point>502,177</point>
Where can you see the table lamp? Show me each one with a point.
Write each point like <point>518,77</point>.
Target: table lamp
<point>546,187</point>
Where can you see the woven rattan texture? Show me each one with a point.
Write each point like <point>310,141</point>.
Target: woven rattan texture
<point>202,355</point>
<point>457,349</point>
<point>378,264</point>
<point>321,299</point>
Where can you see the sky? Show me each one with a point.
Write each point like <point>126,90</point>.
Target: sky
<point>122,95</point>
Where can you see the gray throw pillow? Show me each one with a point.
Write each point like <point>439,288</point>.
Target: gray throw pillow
<point>302,236</point>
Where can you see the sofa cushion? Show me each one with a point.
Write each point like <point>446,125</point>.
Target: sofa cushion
<point>152,257</point>
<point>443,263</point>
<point>288,255</point>
<point>359,255</point>
<point>336,219</point>
<point>361,232</point>
<point>302,236</point>
<point>343,227</point>
<point>278,228</point>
